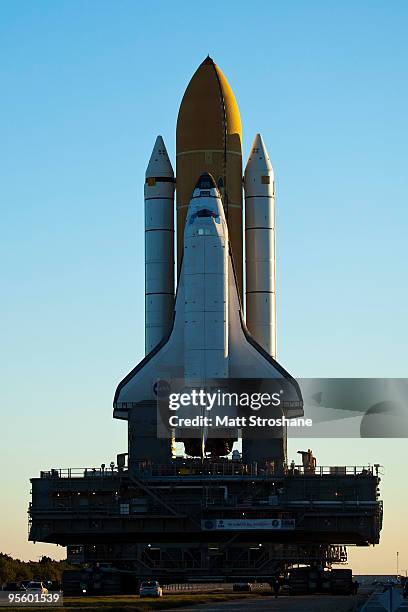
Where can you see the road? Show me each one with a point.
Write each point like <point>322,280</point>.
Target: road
<point>306,603</point>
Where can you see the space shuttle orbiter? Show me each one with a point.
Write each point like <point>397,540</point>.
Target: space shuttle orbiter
<point>199,335</point>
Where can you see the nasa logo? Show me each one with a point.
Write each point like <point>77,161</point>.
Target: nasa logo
<point>209,524</point>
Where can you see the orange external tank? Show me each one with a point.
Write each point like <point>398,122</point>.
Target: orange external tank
<point>209,139</point>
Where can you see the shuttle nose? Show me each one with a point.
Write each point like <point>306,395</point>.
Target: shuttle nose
<point>205,188</point>
<point>206,181</point>
<point>205,202</point>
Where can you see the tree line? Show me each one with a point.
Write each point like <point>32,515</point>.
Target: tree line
<point>14,570</point>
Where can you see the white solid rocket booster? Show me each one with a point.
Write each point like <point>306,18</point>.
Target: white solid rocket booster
<point>260,247</point>
<point>159,246</point>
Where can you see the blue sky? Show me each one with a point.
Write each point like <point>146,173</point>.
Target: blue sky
<point>86,88</point>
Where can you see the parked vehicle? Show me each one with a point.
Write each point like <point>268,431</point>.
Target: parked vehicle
<point>24,583</point>
<point>36,587</point>
<point>150,588</point>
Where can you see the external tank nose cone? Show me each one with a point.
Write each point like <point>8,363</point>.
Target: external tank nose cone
<point>208,116</point>
<point>205,181</point>
<point>208,60</point>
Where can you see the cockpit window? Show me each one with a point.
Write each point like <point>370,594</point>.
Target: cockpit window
<point>204,184</point>
<point>205,212</point>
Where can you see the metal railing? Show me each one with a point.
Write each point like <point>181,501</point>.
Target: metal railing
<point>210,469</point>
<point>91,472</point>
<point>331,470</point>
<point>237,468</point>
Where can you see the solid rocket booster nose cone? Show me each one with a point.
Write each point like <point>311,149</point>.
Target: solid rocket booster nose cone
<point>259,159</point>
<point>159,163</point>
<point>205,181</point>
